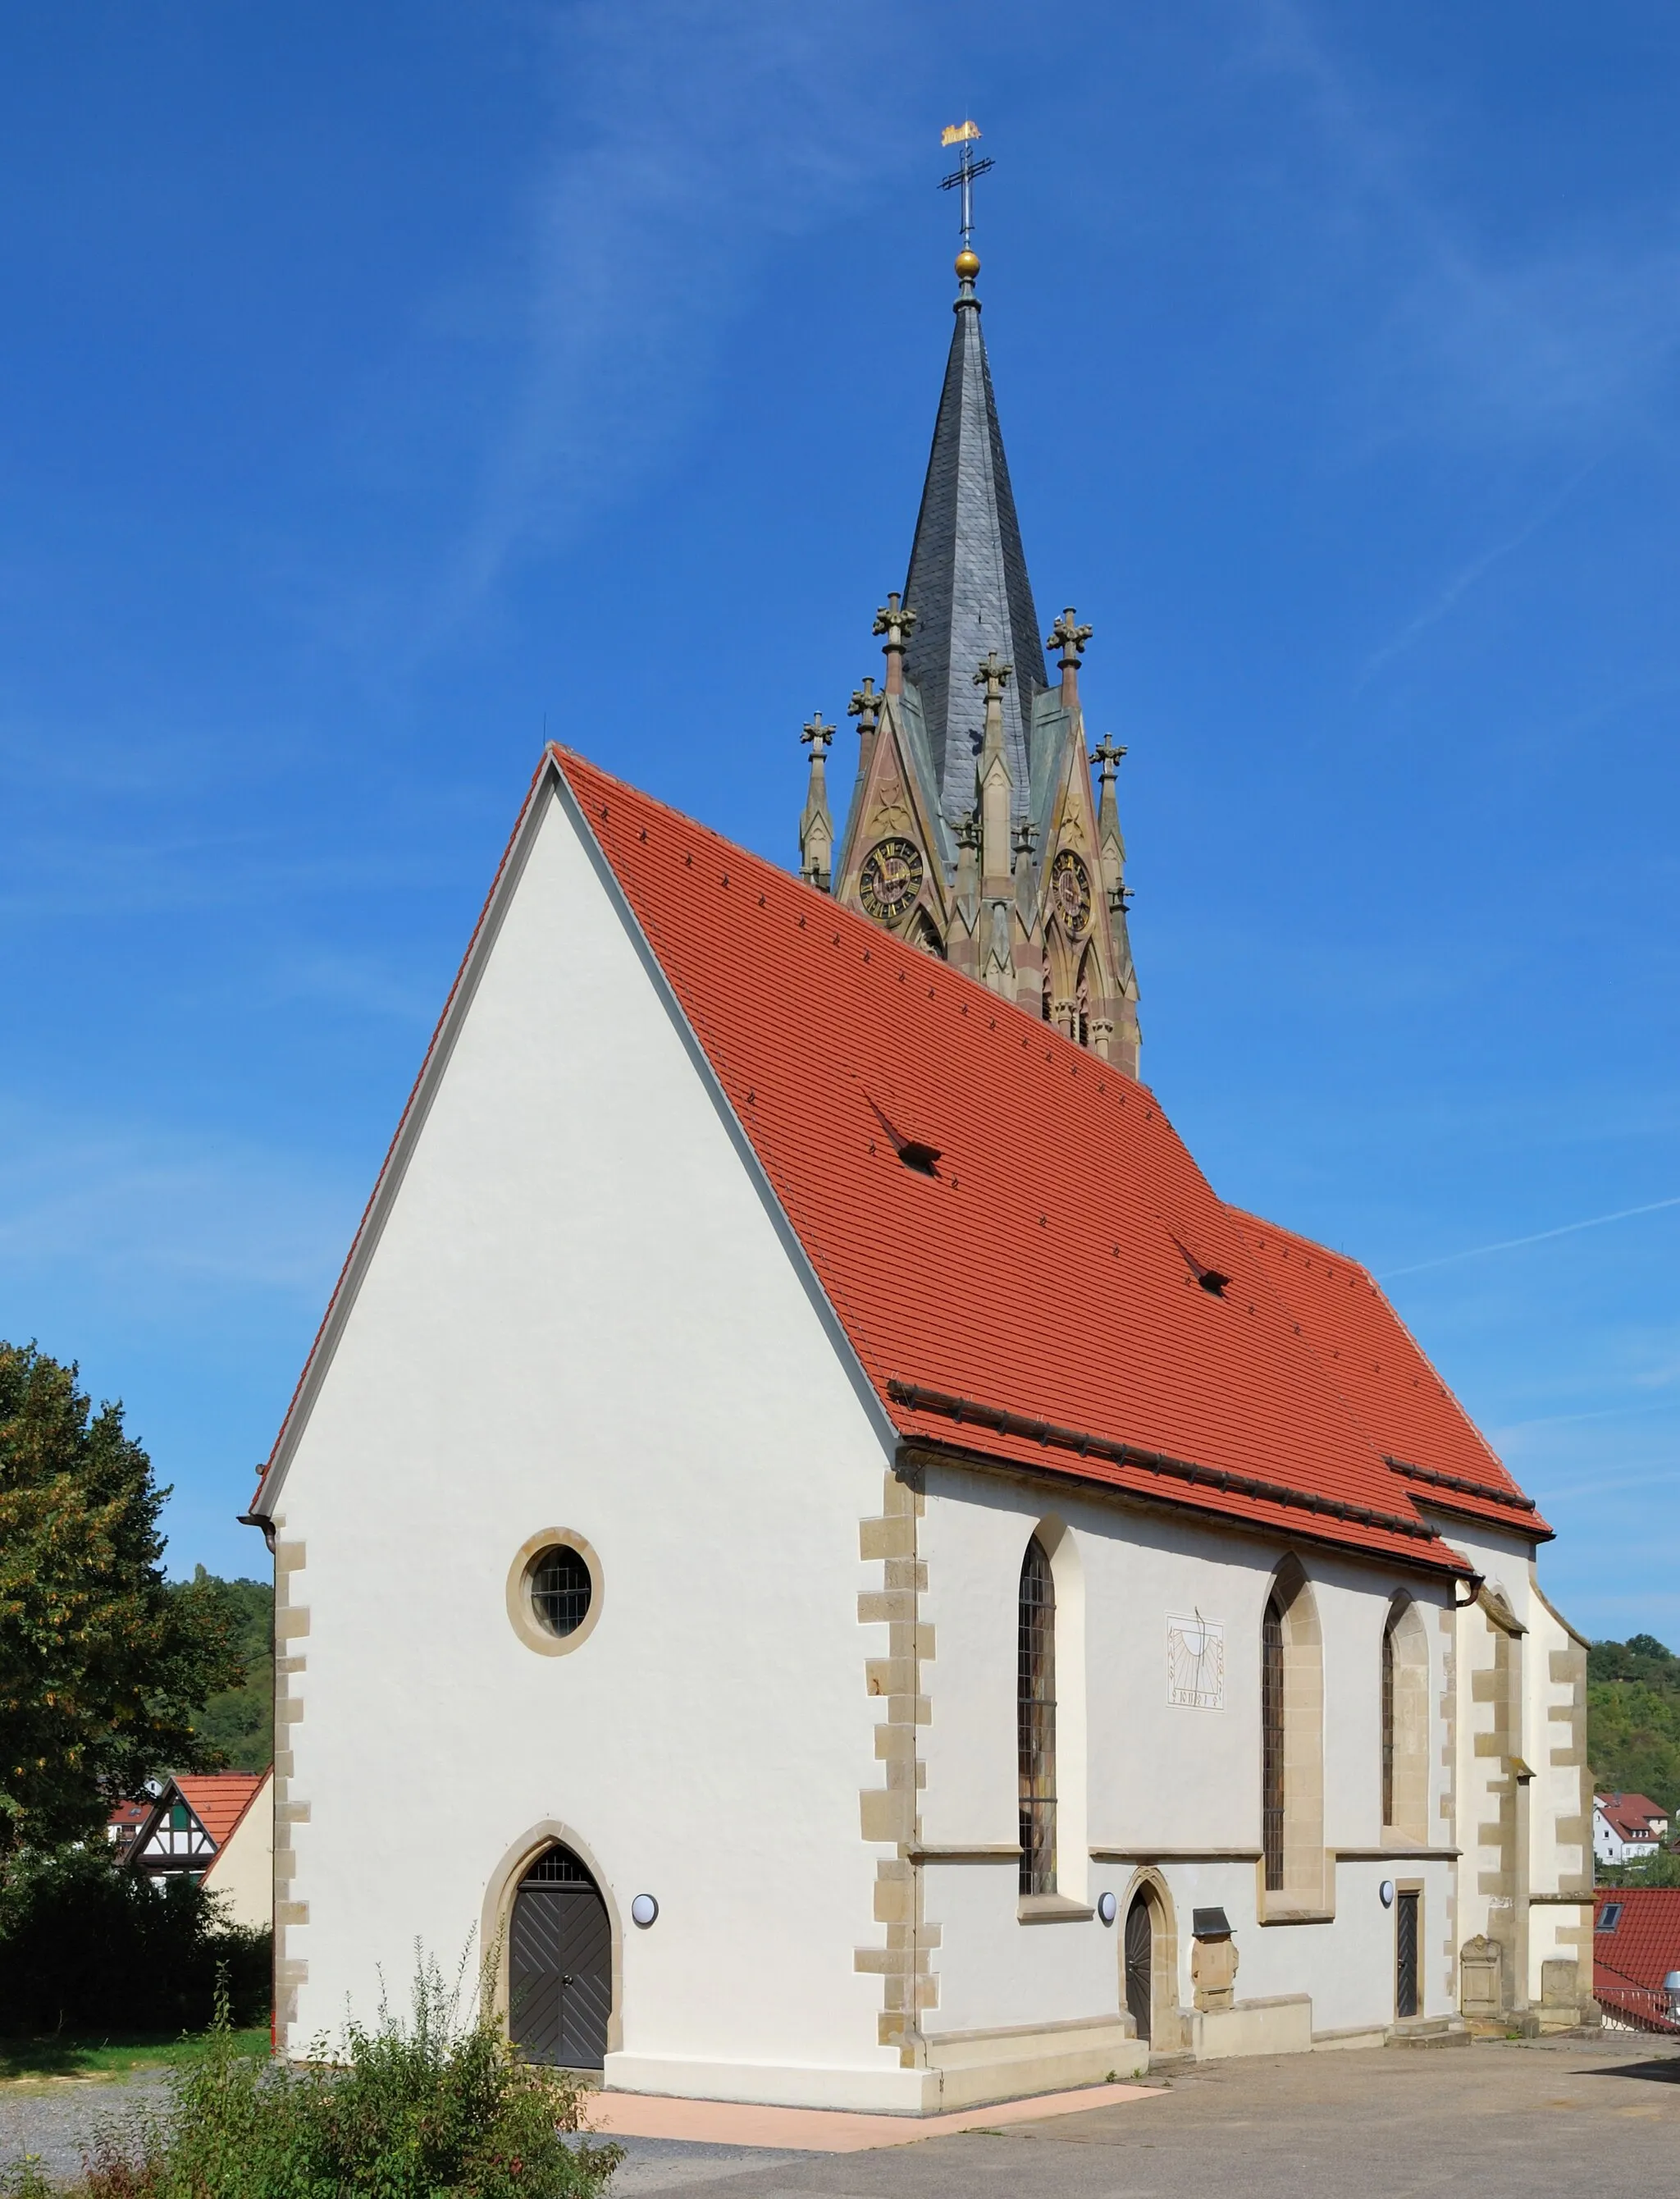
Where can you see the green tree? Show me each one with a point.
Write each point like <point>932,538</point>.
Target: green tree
<point>103,1665</point>
<point>240,1721</point>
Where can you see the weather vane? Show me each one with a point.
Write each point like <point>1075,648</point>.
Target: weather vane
<point>967,135</point>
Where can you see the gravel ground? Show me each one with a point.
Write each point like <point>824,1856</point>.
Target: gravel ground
<point>54,2117</point>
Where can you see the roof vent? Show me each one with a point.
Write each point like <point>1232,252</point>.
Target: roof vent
<point>1212,1280</point>
<point>912,1152</point>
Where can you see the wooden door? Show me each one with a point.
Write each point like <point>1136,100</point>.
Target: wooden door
<point>1405,1954</point>
<point>559,1964</point>
<point>1140,1962</point>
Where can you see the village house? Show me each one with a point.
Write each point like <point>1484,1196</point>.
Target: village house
<point>216,1828</point>
<point>920,1599</point>
<point>1627,1828</point>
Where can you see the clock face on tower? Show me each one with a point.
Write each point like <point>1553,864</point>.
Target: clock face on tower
<point>891,879</point>
<point>1070,891</point>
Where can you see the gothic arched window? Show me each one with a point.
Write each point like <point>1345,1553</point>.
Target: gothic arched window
<point>1388,1723</point>
<point>1406,1722</point>
<point>1035,1720</point>
<point>1272,1742</point>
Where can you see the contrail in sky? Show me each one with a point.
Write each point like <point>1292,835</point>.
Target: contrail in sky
<point>1510,1243</point>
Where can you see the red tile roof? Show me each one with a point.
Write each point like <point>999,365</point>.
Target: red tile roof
<point>219,1799</point>
<point>1378,1365</point>
<point>1630,1962</point>
<point>1038,1301</point>
<point>1629,1815</point>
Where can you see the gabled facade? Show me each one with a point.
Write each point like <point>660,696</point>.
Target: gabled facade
<point>1627,1828</point>
<point>972,830</point>
<point>216,1829</point>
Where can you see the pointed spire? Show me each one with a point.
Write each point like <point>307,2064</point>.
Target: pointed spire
<point>968,582</point>
<point>865,707</point>
<point>816,825</point>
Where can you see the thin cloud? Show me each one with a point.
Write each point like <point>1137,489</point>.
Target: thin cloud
<point>1469,576</point>
<point>1538,1237</point>
<point>158,1217</point>
<point>696,139</point>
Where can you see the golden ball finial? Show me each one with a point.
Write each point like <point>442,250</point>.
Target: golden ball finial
<point>967,265</point>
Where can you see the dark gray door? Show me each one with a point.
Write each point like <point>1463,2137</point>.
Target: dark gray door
<point>1140,1953</point>
<point>559,1964</point>
<point>1405,1955</point>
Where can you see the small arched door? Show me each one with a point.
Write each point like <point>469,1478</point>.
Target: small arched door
<point>1140,1961</point>
<point>559,1964</point>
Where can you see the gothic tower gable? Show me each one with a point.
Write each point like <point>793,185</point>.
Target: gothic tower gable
<point>898,851</point>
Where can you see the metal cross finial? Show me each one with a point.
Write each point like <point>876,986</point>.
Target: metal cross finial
<point>1069,637</point>
<point>816,737</point>
<point>965,134</point>
<point>1106,755</point>
<point>865,705</point>
<point>991,675</point>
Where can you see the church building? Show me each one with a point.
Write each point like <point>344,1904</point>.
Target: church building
<point>911,1597</point>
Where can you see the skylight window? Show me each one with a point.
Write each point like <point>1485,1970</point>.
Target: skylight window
<point>1610,1916</point>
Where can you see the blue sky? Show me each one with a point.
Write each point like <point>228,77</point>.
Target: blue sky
<point>381,384</point>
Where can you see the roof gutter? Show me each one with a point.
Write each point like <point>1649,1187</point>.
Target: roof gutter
<point>970,1412</point>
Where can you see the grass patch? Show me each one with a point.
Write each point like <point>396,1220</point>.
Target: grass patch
<point>117,2053</point>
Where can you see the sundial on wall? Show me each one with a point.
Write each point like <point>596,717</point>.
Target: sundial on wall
<point>891,879</point>
<point>1195,1663</point>
<point>1070,891</point>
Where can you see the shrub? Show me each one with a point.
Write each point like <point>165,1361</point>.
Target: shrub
<point>441,2105</point>
<point>85,1946</point>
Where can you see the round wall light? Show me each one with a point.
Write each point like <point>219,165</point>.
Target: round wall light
<point>1106,1907</point>
<point>643,1910</point>
<point>1385,1893</point>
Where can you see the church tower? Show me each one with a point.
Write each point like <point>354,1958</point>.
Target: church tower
<point>974,829</point>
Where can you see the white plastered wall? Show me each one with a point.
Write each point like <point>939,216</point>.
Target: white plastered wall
<point>582,1314</point>
<point>1149,1778</point>
<point>243,1868</point>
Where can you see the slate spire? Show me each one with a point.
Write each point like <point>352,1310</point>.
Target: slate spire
<point>967,582</point>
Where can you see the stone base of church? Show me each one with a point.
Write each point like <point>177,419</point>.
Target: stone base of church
<point>970,2068</point>
<point>962,2070</point>
<point>1281,2026</point>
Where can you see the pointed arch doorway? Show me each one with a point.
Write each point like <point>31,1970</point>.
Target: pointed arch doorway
<point>1140,1963</point>
<point>559,1964</point>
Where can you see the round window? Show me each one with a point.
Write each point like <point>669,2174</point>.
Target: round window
<point>561,1589</point>
<point>554,1591</point>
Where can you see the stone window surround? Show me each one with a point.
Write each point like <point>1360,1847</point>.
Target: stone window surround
<point>525,1624</point>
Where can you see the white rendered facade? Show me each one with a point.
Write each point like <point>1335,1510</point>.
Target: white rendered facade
<point>577,1305</point>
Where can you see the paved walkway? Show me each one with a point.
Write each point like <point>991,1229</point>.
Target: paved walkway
<point>822,2130</point>
<point>1550,2120</point>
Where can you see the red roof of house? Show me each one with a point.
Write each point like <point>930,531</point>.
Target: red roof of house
<point>219,1799</point>
<point>1629,1815</point>
<point>1041,1300</point>
<point>1378,1365</point>
<point>1630,1962</point>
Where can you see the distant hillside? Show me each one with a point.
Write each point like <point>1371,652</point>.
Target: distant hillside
<point>240,1720</point>
<point>1633,1720</point>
